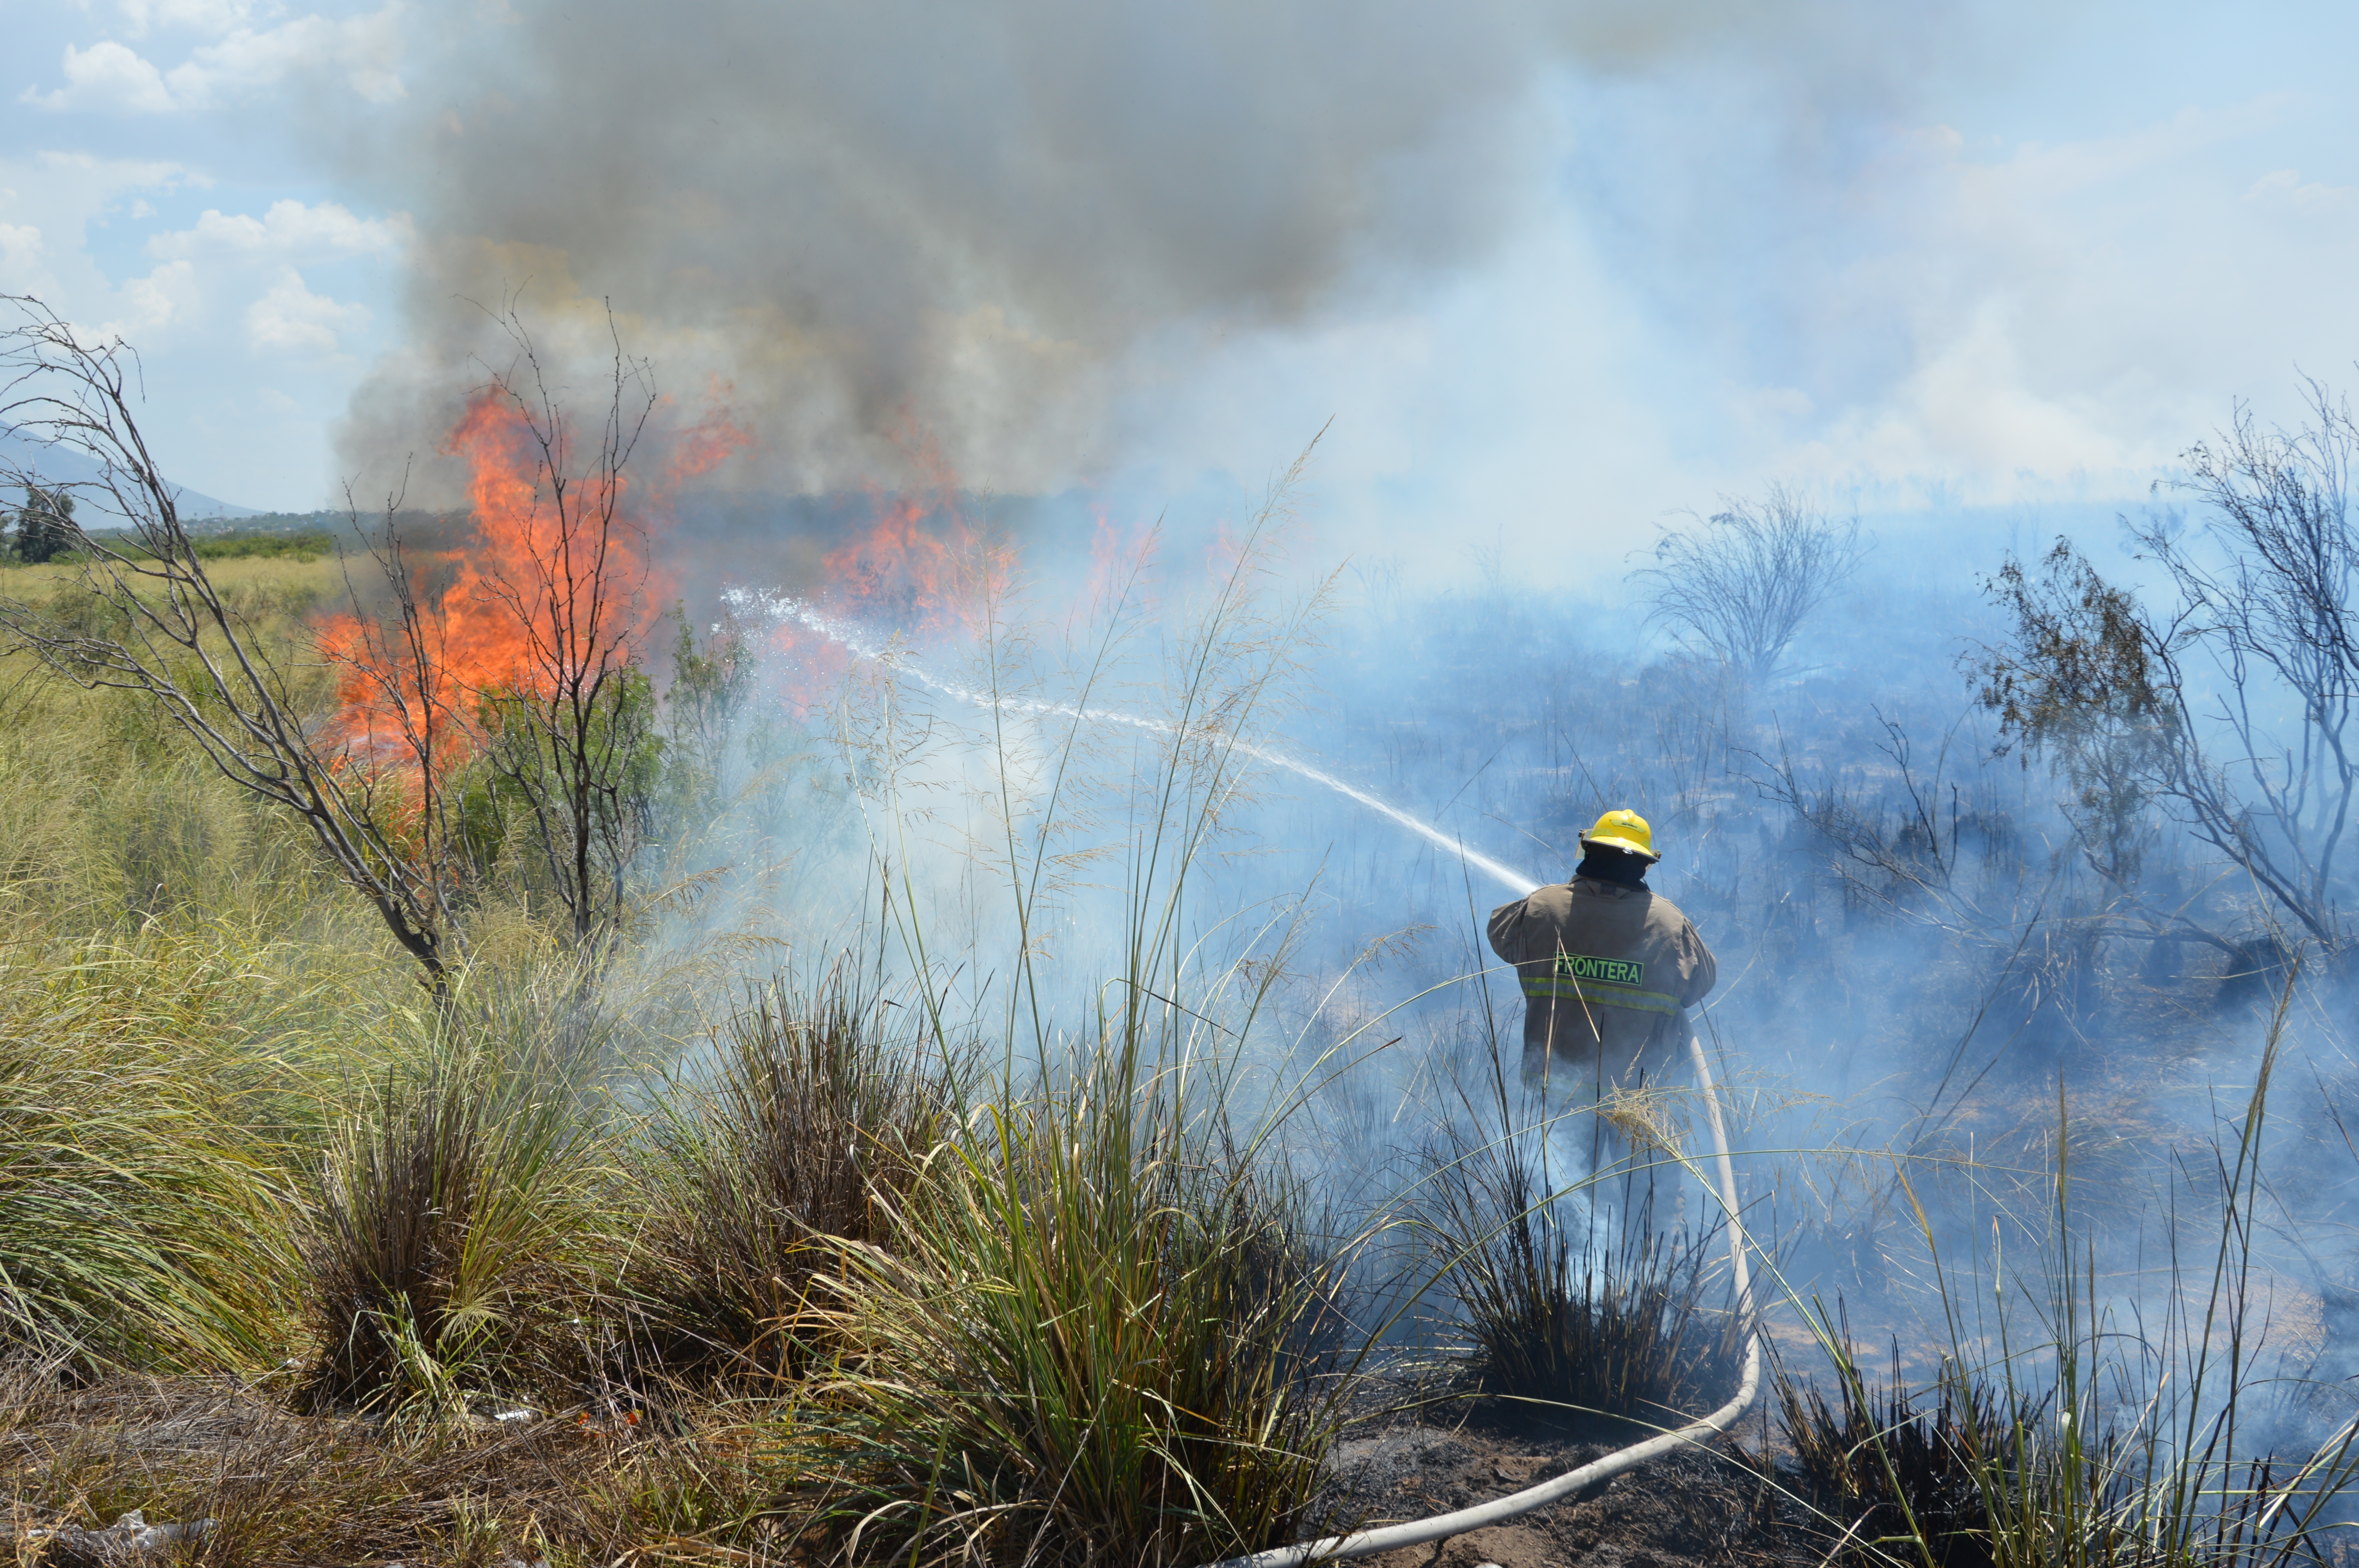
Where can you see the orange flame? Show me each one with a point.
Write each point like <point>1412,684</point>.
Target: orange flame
<point>558,575</point>
<point>923,569</point>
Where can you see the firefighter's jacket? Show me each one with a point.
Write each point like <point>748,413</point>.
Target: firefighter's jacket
<point>1608,973</point>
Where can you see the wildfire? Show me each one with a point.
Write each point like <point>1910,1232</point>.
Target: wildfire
<point>923,569</point>
<point>559,570</point>
<point>551,572</point>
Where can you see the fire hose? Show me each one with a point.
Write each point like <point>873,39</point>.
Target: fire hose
<point>1597,1472</point>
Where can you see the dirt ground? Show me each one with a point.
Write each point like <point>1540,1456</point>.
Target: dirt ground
<point>1416,1448</point>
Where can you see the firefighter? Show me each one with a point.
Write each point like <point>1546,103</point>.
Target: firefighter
<point>1609,968</point>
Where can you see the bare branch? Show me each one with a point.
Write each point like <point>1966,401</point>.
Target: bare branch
<point>569,727</point>
<point>2254,748</point>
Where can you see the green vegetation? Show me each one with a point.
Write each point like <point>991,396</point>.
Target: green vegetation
<point>437,1228</point>
<point>761,1177</point>
<point>40,539</point>
<point>243,545</point>
<point>44,526</point>
<point>141,1218</point>
<point>1098,1333</point>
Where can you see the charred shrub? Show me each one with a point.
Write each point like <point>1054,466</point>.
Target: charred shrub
<point>2254,970</point>
<point>1988,1476</point>
<point>1901,1479</point>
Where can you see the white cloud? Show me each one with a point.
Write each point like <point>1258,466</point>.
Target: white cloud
<point>20,247</point>
<point>2282,190</point>
<point>213,308</point>
<point>367,51</point>
<point>2066,169</point>
<point>291,319</point>
<point>154,302</point>
<point>107,75</point>
<point>289,230</point>
<point>47,204</point>
<point>201,16</point>
<point>100,180</point>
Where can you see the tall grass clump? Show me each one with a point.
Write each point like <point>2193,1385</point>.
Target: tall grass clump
<point>1102,1336</point>
<point>1900,1476</point>
<point>1993,1470</point>
<point>438,1250</point>
<point>156,1106</point>
<point>806,1129</point>
<point>1562,1308</point>
<point>139,1229</point>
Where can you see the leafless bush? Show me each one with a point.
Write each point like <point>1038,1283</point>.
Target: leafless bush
<point>570,730</point>
<point>1739,586</point>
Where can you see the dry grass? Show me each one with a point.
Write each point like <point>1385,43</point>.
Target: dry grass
<point>1104,1335</point>
<point>285,1490</point>
<point>288,583</point>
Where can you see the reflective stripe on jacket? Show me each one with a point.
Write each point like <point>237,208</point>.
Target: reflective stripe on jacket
<point>1598,994</point>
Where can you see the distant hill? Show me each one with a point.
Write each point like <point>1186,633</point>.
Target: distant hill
<point>63,465</point>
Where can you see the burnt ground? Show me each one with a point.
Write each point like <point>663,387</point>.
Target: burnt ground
<point>1421,1444</point>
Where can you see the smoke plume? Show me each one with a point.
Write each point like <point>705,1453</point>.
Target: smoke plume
<point>969,231</point>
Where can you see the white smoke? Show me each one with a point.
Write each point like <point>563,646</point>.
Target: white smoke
<point>778,609</point>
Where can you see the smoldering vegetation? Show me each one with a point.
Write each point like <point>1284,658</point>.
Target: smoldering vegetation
<point>906,1066</point>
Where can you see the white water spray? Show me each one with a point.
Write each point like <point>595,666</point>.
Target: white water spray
<point>780,607</point>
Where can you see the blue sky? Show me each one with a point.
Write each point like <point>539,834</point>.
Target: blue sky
<point>151,184</point>
<point>1588,274</point>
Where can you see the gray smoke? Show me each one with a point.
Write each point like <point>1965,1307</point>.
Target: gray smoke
<point>987,225</point>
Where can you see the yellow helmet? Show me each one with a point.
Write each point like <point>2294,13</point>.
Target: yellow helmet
<point>1624,829</point>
